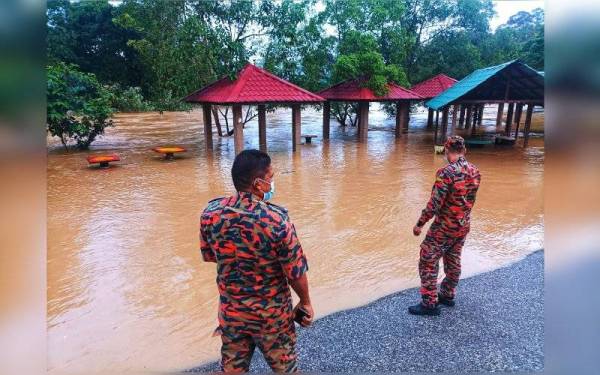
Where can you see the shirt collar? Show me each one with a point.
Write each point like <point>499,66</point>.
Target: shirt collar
<point>247,197</point>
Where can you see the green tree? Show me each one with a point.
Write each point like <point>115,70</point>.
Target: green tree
<point>174,47</point>
<point>298,50</point>
<point>522,37</point>
<point>78,107</point>
<point>83,33</point>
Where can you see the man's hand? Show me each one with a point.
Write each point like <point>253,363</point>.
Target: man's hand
<point>307,320</point>
<point>417,230</point>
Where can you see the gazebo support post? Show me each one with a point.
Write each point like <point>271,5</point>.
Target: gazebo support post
<point>527,124</point>
<point>455,109</point>
<point>363,120</point>
<point>407,118</point>
<point>429,118</point>
<point>500,115</point>
<point>238,128</point>
<point>262,127</point>
<point>435,133</point>
<point>509,118</point>
<point>518,115</point>
<point>475,120</point>
<point>207,117</point>
<point>480,115</point>
<point>437,117</point>
<point>461,119</point>
<point>444,123</point>
<point>401,118</point>
<point>296,126</point>
<point>326,119</point>
<point>469,116</point>
<point>215,112</point>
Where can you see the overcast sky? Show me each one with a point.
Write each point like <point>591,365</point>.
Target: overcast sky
<point>506,8</point>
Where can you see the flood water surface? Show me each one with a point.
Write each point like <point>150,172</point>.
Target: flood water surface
<point>127,289</point>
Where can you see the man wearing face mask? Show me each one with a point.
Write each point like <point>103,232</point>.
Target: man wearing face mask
<point>452,198</point>
<point>258,258</point>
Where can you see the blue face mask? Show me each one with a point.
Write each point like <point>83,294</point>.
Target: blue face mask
<point>269,194</point>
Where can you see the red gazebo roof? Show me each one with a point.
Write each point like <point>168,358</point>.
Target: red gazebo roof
<point>434,86</point>
<point>352,91</point>
<point>253,85</point>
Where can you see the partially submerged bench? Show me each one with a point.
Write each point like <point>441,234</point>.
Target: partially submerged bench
<point>103,160</point>
<point>478,142</point>
<point>309,137</point>
<point>505,140</point>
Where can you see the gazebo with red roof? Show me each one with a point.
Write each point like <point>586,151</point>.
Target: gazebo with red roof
<point>431,88</point>
<point>353,90</point>
<point>253,86</point>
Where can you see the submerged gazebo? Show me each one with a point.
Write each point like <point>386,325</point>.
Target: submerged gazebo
<point>431,88</point>
<point>354,91</point>
<point>513,82</point>
<point>253,86</point>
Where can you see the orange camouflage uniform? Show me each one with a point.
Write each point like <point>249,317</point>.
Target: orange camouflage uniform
<point>452,198</point>
<point>257,251</point>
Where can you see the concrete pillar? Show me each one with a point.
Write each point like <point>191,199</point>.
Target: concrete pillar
<point>402,109</point>
<point>527,124</point>
<point>500,115</point>
<point>461,120</point>
<point>296,126</point>
<point>207,120</point>
<point>469,116</point>
<point>429,118</point>
<point>262,127</point>
<point>326,119</point>
<point>398,129</point>
<point>455,109</point>
<point>509,118</point>
<point>518,114</point>
<point>363,113</point>
<point>444,124</point>
<point>238,129</point>
<point>407,118</point>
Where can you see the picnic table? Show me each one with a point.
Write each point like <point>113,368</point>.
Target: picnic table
<point>169,152</point>
<point>103,160</point>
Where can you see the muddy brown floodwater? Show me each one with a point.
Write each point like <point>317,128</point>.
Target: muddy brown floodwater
<point>126,286</point>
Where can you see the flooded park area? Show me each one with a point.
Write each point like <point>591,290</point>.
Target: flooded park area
<point>127,289</point>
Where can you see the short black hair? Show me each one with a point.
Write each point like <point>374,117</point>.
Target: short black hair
<point>247,166</point>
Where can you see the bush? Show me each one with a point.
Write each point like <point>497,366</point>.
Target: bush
<point>78,107</point>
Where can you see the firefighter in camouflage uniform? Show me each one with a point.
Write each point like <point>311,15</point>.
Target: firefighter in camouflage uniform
<point>452,199</point>
<point>259,257</point>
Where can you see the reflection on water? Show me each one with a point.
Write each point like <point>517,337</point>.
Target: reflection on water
<point>126,286</point>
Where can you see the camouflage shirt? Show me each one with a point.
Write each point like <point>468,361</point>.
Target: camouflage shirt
<point>256,249</point>
<point>452,197</point>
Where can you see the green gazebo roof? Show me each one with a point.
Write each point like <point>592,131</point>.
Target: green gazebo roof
<point>489,84</point>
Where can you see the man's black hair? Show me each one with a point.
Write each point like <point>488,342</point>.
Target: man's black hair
<point>247,166</point>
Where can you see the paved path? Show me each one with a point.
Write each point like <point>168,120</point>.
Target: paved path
<point>497,325</point>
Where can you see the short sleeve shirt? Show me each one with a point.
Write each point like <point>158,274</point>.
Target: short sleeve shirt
<point>257,251</point>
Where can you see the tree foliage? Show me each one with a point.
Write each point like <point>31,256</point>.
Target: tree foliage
<point>169,48</point>
<point>78,107</point>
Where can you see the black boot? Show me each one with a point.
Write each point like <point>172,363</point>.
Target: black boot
<point>446,301</point>
<point>419,309</point>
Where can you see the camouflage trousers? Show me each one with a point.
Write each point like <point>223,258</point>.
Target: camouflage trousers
<point>279,350</point>
<point>437,244</point>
